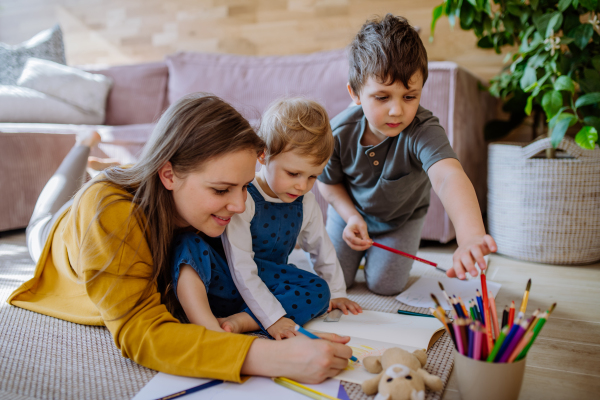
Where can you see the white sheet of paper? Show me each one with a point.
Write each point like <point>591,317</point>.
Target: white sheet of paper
<point>406,330</point>
<point>373,332</point>
<point>419,294</point>
<point>255,388</point>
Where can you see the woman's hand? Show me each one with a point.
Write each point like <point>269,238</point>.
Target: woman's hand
<point>469,253</point>
<point>356,235</point>
<point>345,305</point>
<point>283,328</point>
<point>299,358</point>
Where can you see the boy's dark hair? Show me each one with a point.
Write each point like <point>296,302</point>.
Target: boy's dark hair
<point>388,49</point>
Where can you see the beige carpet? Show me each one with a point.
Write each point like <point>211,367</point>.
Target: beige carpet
<point>46,358</point>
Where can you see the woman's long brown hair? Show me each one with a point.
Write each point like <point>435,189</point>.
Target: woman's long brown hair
<point>195,129</point>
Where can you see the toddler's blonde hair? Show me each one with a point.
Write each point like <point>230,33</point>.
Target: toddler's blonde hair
<point>297,124</point>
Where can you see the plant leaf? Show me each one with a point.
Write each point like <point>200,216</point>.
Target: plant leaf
<point>556,117</point>
<point>552,101</point>
<point>587,137</point>
<point>534,4</point>
<point>485,43</point>
<point>582,35</point>
<point>437,13</point>
<point>592,121</point>
<point>529,78</point>
<point>529,105</point>
<point>559,130</point>
<point>555,22</point>
<point>589,4</point>
<point>596,62</point>
<point>563,5</point>
<point>564,83</point>
<point>587,99</point>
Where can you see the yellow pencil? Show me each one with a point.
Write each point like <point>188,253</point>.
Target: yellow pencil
<point>300,388</point>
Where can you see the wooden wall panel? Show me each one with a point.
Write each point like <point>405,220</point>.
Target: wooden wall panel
<point>129,31</point>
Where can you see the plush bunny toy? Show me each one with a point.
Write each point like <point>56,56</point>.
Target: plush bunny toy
<point>401,376</point>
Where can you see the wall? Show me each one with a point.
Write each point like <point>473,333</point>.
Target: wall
<point>130,31</point>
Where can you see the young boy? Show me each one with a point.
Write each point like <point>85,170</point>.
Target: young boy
<point>389,152</point>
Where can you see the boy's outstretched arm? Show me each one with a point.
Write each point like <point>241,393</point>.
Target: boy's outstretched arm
<point>457,194</point>
<point>355,233</point>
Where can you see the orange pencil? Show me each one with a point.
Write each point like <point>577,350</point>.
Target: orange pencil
<point>511,314</point>
<point>494,315</point>
<point>463,306</point>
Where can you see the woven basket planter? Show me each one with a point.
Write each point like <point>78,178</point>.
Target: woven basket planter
<point>545,210</point>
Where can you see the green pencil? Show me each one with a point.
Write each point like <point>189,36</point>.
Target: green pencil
<point>498,344</point>
<point>416,314</point>
<point>536,331</point>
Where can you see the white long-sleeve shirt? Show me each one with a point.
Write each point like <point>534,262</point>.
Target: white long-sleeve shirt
<point>313,238</point>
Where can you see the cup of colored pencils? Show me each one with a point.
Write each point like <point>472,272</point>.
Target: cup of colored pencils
<point>490,352</point>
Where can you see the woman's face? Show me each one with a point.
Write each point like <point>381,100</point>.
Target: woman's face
<point>207,199</point>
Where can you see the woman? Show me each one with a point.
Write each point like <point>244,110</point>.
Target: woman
<point>103,257</point>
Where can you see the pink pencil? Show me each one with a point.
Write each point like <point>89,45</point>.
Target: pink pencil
<point>458,336</point>
<point>381,246</point>
<point>477,345</point>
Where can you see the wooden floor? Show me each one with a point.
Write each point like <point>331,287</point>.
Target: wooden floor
<point>564,363</point>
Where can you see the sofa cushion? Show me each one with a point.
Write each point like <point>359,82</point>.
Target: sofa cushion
<point>138,95</point>
<point>20,104</point>
<point>47,45</point>
<point>79,88</point>
<point>251,83</point>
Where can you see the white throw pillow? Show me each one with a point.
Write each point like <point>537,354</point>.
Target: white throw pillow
<point>79,88</point>
<point>19,104</point>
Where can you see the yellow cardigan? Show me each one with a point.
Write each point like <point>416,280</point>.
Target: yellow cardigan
<point>75,289</point>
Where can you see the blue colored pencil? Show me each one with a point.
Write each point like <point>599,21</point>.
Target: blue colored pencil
<point>480,303</point>
<point>313,336</point>
<point>192,390</point>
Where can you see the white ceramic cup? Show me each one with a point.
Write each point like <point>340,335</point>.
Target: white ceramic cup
<point>479,380</point>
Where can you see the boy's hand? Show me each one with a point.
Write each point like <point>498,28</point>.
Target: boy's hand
<point>355,234</point>
<point>283,329</point>
<point>345,305</point>
<point>470,252</point>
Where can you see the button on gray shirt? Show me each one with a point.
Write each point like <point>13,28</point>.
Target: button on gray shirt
<point>387,183</point>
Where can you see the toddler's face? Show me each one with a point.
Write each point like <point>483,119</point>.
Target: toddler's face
<point>289,175</point>
<point>389,109</point>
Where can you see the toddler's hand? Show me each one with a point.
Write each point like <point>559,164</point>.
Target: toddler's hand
<point>345,305</point>
<point>356,235</point>
<point>282,329</point>
<point>470,252</point>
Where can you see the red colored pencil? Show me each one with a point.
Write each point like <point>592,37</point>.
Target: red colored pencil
<point>381,246</point>
<point>486,306</point>
<point>511,314</point>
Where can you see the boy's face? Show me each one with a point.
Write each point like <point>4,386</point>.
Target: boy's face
<point>389,109</point>
<point>289,175</point>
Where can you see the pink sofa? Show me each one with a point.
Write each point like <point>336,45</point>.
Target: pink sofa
<point>30,153</point>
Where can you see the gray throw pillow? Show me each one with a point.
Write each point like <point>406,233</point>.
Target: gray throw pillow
<point>47,45</point>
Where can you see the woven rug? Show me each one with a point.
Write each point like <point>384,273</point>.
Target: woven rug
<point>46,358</point>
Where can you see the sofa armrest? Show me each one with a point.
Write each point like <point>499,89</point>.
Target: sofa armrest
<point>29,159</point>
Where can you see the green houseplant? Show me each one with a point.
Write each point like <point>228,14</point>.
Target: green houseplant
<point>554,70</point>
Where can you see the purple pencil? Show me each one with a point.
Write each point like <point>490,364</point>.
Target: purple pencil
<point>514,341</point>
<point>471,339</point>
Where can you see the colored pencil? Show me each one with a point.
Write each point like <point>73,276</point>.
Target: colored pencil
<point>313,336</point>
<point>471,340</point>
<point>472,312</point>
<point>381,246</point>
<point>462,305</point>
<point>192,390</point>
<point>511,314</point>
<point>526,339</point>
<point>504,317</point>
<point>486,305</point>
<point>300,388</point>
<point>536,331</point>
<point>463,326</point>
<point>499,342</point>
<point>416,314</point>
<point>514,342</point>
<point>458,338</point>
<point>480,304</point>
<point>533,320</point>
<point>479,332</point>
<point>511,334</point>
<point>457,308</point>
<point>494,315</point>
